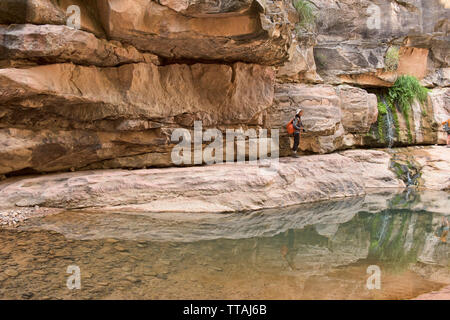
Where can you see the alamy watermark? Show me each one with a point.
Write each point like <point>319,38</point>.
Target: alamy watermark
<point>74,280</point>
<point>374,20</point>
<point>251,145</point>
<point>73,13</point>
<point>374,281</point>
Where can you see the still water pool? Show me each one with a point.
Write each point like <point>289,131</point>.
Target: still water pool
<point>316,251</point>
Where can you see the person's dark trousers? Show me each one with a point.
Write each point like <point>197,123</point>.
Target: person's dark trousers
<point>296,141</point>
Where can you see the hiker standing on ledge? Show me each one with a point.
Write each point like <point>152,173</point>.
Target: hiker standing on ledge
<point>446,125</point>
<point>297,125</point>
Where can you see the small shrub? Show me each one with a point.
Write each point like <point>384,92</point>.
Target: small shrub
<point>306,12</point>
<point>382,108</point>
<point>405,90</point>
<point>391,59</point>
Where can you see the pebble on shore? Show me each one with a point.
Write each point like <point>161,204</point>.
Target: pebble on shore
<point>12,217</point>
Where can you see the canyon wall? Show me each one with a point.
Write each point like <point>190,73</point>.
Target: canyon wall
<point>111,93</point>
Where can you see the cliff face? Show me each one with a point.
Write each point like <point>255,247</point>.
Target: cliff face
<point>110,94</point>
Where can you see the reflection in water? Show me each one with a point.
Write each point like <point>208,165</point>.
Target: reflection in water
<point>319,251</point>
<point>287,251</point>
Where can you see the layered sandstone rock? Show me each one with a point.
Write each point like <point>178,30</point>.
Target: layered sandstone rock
<point>32,44</point>
<point>434,166</point>
<point>246,34</point>
<point>65,116</point>
<point>246,31</point>
<point>354,51</point>
<point>441,110</point>
<point>221,92</point>
<point>301,66</point>
<point>110,94</point>
<point>330,114</point>
<point>217,188</point>
<point>224,187</point>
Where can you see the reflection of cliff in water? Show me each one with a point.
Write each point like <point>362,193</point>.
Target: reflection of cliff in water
<point>315,251</point>
<point>375,227</point>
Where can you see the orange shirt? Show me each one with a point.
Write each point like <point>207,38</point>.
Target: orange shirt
<point>447,121</point>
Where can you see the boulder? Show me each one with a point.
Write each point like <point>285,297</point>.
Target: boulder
<point>237,31</point>
<point>329,114</point>
<point>214,188</point>
<point>227,187</point>
<point>46,44</point>
<point>440,102</point>
<point>224,93</point>
<point>64,116</point>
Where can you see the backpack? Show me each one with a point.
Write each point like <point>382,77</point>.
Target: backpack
<point>290,127</point>
<point>446,127</point>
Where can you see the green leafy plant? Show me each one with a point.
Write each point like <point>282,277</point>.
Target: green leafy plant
<point>381,123</point>
<point>382,108</point>
<point>405,91</point>
<point>306,12</point>
<point>391,59</point>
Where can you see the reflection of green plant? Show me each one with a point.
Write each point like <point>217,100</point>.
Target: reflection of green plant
<point>391,59</point>
<point>405,91</point>
<point>306,13</point>
<point>408,171</point>
<point>398,169</point>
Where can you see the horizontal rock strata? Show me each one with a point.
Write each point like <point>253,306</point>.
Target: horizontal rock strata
<point>225,187</point>
<point>110,94</point>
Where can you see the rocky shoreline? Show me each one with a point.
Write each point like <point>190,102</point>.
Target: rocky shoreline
<point>224,188</point>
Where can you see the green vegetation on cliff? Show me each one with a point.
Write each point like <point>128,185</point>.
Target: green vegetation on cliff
<point>306,13</point>
<point>391,59</point>
<point>381,122</point>
<point>405,91</point>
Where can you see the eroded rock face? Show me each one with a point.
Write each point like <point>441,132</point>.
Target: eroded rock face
<point>241,32</point>
<point>65,116</point>
<point>223,188</point>
<point>216,188</point>
<point>27,151</point>
<point>38,44</point>
<point>440,100</point>
<point>31,11</point>
<point>222,93</point>
<point>354,37</point>
<point>110,94</point>
<point>330,113</point>
<point>435,168</point>
<point>301,66</point>
<point>232,31</point>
